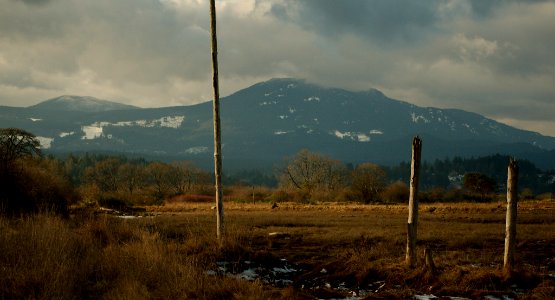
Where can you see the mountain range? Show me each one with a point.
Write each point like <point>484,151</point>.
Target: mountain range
<point>271,120</point>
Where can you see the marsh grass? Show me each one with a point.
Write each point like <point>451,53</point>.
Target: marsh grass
<point>360,246</point>
<point>44,257</point>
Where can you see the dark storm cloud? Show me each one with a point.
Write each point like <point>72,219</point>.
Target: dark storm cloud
<point>491,57</point>
<point>34,2</point>
<point>382,20</point>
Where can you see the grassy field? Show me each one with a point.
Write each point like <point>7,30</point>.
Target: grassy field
<point>316,251</point>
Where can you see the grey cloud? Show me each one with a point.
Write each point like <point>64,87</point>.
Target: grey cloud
<point>118,44</point>
<point>382,20</point>
<point>34,2</point>
<point>491,57</point>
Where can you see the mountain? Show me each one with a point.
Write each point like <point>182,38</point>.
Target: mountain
<point>77,103</point>
<point>271,120</point>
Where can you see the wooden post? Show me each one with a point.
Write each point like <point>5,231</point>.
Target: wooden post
<point>217,126</point>
<point>429,264</point>
<point>510,225</point>
<point>253,201</point>
<point>412,224</point>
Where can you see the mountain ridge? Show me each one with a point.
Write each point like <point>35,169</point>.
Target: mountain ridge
<point>80,103</point>
<point>270,120</point>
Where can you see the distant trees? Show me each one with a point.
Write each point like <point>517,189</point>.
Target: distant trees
<point>479,183</point>
<point>396,192</point>
<point>158,176</point>
<point>132,180</point>
<point>308,172</point>
<point>368,181</point>
<point>104,174</point>
<point>31,182</point>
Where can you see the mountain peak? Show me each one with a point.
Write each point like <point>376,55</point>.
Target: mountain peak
<point>80,103</point>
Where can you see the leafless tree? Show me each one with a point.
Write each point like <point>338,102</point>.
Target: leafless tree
<point>368,181</point>
<point>15,144</point>
<point>308,171</point>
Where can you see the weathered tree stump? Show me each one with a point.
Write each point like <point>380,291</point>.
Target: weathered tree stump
<point>412,224</point>
<point>510,222</point>
<point>429,265</point>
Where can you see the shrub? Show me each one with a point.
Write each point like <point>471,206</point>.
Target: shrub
<point>35,185</point>
<point>527,194</point>
<point>113,203</point>
<point>435,194</point>
<point>279,196</point>
<point>396,192</point>
<point>192,198</point>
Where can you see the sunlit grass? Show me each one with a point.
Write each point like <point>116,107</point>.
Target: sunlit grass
<point>168,256</point>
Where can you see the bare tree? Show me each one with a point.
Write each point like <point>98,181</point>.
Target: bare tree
<point>104,174</point>
<point>308,171</point>
<point>217,130</point>
<point>368,181</point>
<point>130,177</point>
<point>17,143</point>
<point>158,175</point>
<point>185,176</point>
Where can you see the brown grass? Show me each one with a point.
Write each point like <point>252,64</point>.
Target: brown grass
<point>359,246</point>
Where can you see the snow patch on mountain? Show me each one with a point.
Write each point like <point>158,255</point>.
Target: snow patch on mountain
<point>267,103</point>
<point>95,130</point>
<point>281,132</point>
<point>375,131</point>
<point>169,122</point>
<point>312,99</point>
<point>64,134</point>
<point>91,132</point>
<point>35,119</point>
<point>417,119</point>
<point>470,128</point>
<point>45,142</point>
<point>353,136</point>
<point>196,150</point>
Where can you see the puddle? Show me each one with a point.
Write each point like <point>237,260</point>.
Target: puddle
<point>280,275</point>
<point>501,297</point>
<point>283,273</point>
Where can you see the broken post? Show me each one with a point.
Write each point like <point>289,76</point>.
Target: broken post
<point>510,225</point>
<point>217,130</point>
<point>412,224</point>
<point>429,265</point>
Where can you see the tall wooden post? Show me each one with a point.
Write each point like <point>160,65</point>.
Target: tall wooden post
<point>412,224</point>
<point>510,225</point>
<point>217,130</point>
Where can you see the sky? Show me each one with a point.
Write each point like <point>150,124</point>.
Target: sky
<point>494,57</point>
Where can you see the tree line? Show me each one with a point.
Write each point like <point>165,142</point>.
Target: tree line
<point>450,173</point>
<point>32,181</point>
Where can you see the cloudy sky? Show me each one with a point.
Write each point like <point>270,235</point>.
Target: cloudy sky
<point>494,57</point>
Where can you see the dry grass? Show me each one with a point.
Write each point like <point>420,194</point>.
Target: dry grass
<point>44,257</point>
<point>361,246</point>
